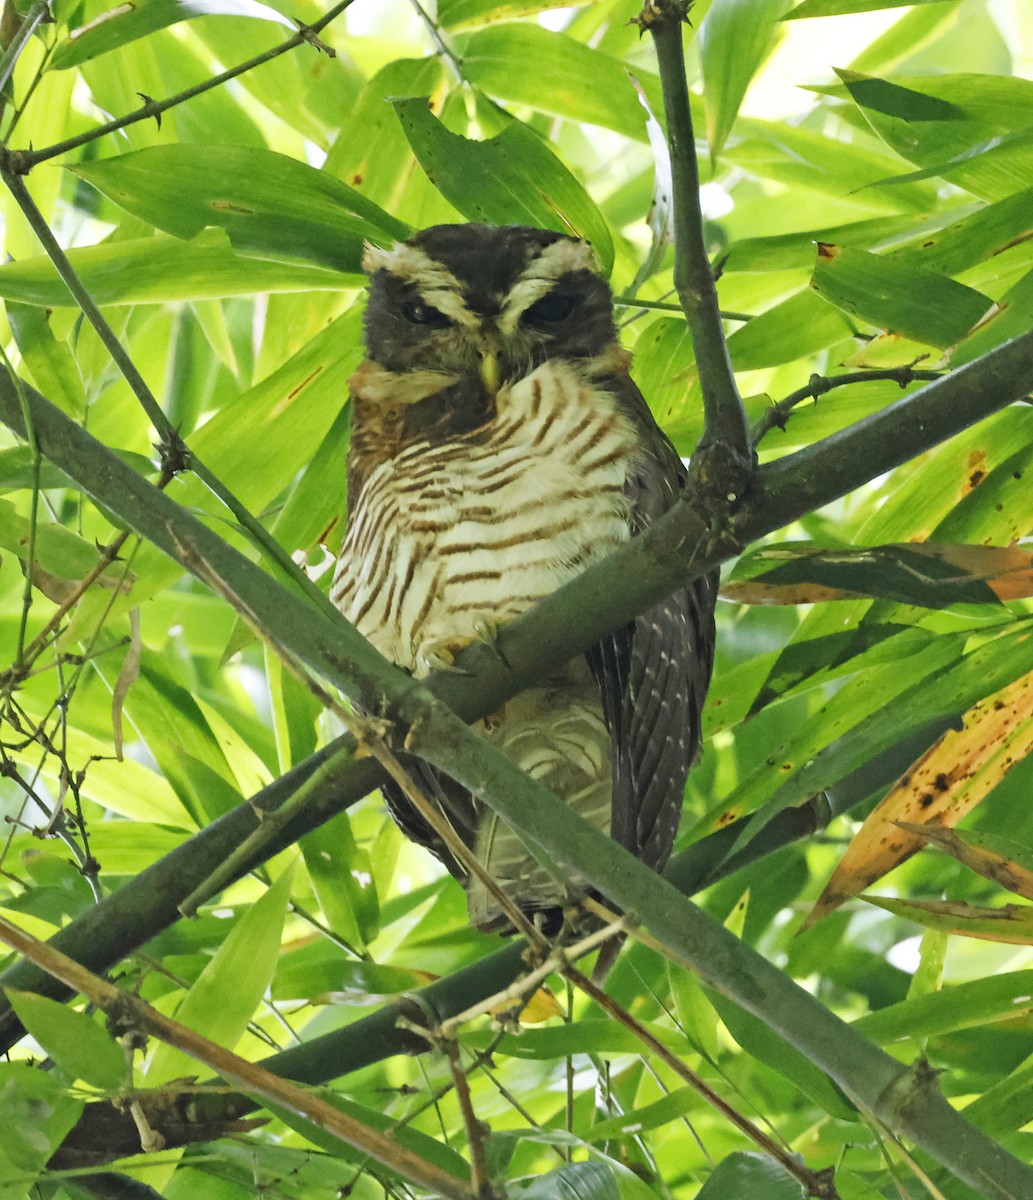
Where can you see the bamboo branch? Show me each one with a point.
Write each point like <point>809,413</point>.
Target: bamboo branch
<point>24,160</point>
<point>38,14</point>
<point>130,1014</point>
<point>725,417</point>
<point>606,596</point>
<point>176,456</point>
<point>777,416</point>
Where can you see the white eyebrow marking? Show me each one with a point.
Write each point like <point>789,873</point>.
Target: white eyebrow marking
<point>540,276</point>
<point>436,284</point>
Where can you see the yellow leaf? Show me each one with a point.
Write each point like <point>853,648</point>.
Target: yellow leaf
<point>947,782</point>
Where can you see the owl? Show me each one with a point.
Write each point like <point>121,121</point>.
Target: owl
<point>498,448</point>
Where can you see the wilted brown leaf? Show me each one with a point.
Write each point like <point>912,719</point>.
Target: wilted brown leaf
<point>925,573</point>
<point>1011,923</point>
<point>989,863</point>
<point>948,781</point>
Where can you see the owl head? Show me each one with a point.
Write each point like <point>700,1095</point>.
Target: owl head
<point>483,300</point>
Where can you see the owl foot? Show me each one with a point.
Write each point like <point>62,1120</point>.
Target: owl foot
<point>441,656</point>
<point>488,632</point>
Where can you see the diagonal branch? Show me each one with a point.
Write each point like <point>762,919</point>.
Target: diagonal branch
<point>612,592</point>
<point>24,160</point>
<point>678,547</point>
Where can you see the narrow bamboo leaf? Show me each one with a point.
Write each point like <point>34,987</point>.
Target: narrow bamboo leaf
<point>756,1039</point>
<point>734,39</point>
<point>526,64</point>
<point>674,1105</point>
<point>929,574</point>
<point>51,365</point>
<point>1004,997</point>
<point>426,1147</point>
<point>584,1181</point>
<point>947,782</point>
<point>973,850</point>
<point>835,8</point>
<point>78,1044</point>
<point>323,973</point>
<point>38,1112</point>
<point>250,773</point>
<point>226,993</point>
<point>757,1176</point>
<point>343,881</point>
<point>372,153</point>
<point>979,235</point>
<point>900,298</point>
<point>59,551</point>
<point>880,95</point>
<point>270,205</point>
<point>803,324</point>
<point>513,178</point>
<point>696,1014</point>
<point>458,14</point>
<point>871,713</point>
<point>163,268</point>
<point>128,847</point>
<point>578,1037</point>
<point>1007,1105</point>
<point>1011,923</point>
<point>126,23</point>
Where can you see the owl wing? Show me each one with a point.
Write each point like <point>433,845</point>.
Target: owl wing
<point>653,673</point>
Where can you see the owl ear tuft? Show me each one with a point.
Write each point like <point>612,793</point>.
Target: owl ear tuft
<point>376,258</point>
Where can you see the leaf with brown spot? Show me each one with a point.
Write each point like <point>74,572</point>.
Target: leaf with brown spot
<point>1012,923</point>
<point>948,781</point>
<point>998,859</point>
<point>933,575</point>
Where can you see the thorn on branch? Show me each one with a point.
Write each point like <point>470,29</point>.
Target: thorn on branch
<point>174,454</point>
<point>149,102</point>
<point>655,11</point>
<point>308,34</point>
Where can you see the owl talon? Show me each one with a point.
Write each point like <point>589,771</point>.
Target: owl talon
<point>441,656</point>
<point>488,632</point>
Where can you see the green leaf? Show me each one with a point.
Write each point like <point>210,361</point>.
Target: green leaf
<point>880,95</point>
<point>978,1002</point>
<point>749,1175</point>
<point>755,1038</point>
<point>803,324</point>
<point>77,1043</point>
<point>37,1115</point>
<point>552,73</point>
<point>226,993</point>
<point>513,178</point>
<point>59,551</point>
<point>833,8</point>
<point>898,297</point>
<point>270,205</point>
<point>162,268</point>
<point>733,39</point>
<point>457,14</point>
<point>125,24</point>
<point>343,881</point>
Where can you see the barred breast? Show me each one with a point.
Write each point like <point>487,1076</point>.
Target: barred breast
<point>448,537</point>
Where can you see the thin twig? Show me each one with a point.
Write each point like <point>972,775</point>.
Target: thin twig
<point>38,14</point>
<point>130,1012</point>
<point>817,1183</point>
<point>662,306</point>
<point>175,454</point>
<point>777,415</point>
<point>24,160</point>
<point>475,1128</point>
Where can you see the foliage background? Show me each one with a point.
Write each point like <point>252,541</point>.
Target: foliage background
<point>243,316</point>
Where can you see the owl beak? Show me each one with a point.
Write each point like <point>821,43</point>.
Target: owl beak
<point>490,371</point>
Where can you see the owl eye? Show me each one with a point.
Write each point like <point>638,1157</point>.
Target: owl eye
<point>423,314</point>
<point>550,309</point>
